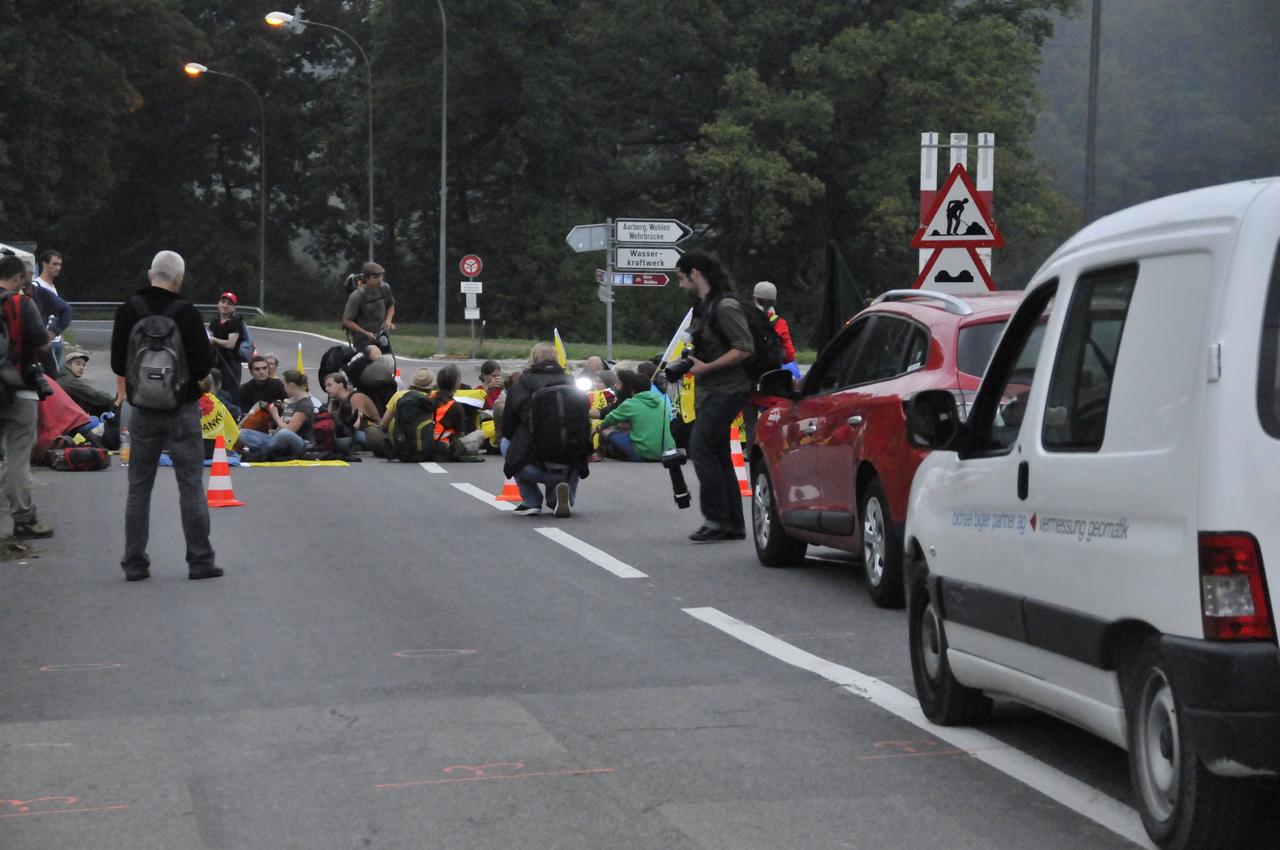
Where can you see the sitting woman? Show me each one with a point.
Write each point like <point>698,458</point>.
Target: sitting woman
<point>292,420</point>
<point>352,411</point>
<point>638,429</point>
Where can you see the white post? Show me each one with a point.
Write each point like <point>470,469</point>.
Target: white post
<point>959,151</point>
<point>986,182</point>
<point>928,181</point>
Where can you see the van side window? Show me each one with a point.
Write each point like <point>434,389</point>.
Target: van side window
<point>1269,359</point>
<point>1075,416</point>
<point>1002,401</point>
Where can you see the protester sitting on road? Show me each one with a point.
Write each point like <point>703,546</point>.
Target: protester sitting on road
<point>451,417</point>
<point>216,418</point>
<point>592,368</point>
<point>491,382</point>
<point>261,387</point>
<point>377,434</point>
<point>372,373</point>
<point>522,459</point>
<point>215,376</point>
<point>351,410</point>
<point>94,401</point>
<point>273,365</point>
<point>293,419</point>
<point>638,429</point>
<point>500,406</point>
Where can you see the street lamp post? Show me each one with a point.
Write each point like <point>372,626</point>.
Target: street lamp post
<point>195,69</point>
<point>280,19</point>
<point>444,158</point>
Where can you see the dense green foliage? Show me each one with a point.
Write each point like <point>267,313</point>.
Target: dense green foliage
<point>771,128</point>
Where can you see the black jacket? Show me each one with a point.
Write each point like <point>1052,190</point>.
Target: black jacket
<point>190,324</point>
<point>515,418</point>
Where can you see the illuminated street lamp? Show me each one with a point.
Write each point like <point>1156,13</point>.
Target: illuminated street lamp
<point>279,20</point>
<point>195,69</point>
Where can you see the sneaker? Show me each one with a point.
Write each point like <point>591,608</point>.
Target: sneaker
<point>204,572</point>
<point>707,534</point>
<point>527,510</point>
<point>27,530</point>
<point>736,534</point>
<point>563,508</point>
<point>136,573</point>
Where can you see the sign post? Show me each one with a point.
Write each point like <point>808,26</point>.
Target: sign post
<point>470,265</point>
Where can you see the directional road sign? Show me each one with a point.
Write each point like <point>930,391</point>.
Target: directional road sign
<point>473,286</point>
<point>634,278</point>
<point>646,259</point>
<point>588,237</point>
<point>650,231</point>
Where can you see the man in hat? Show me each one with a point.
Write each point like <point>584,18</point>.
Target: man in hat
<point>371,310</point>
<point>94,401</point>
<point>766,295</point>
<point>225,332</point>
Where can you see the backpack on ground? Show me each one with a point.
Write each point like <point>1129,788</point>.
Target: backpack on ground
<point>560,425</point>
<point>245,346</point>
<point>323,432</point>
<point>768,354</point>
<point>11,336</point>
<point>67,456</point>
<point>156,377</point>
<point>413,429</point>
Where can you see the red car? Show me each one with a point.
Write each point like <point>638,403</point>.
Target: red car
<point>830,463</point>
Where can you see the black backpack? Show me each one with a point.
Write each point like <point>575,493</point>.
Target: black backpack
<point>156,377</point>
<point>413,428</point>
<point>560,425</point>
<point>768,353</point>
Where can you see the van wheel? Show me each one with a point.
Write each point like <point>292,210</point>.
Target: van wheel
<point>1181,803</point>
<point>881,548</point>
<point>774,547</point>
<point>942,699</point>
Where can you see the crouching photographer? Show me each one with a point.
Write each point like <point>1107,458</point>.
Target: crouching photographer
<point>22,342</point>
<point>721,343</point>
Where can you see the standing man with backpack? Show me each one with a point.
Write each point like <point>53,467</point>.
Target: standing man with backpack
<point>160,353</point>
<point>722,344</point>
<point>23,337</point>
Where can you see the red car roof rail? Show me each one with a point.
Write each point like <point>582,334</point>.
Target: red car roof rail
<point>950,303</point>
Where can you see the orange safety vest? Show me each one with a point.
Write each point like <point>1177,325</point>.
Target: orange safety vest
<point>443,433</point>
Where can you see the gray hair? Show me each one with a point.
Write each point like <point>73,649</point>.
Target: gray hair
<point>168,266</point>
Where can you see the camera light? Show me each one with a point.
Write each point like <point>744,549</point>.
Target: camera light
<point>584,384</point>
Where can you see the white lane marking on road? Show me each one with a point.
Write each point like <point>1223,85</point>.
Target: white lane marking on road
<point>487,498</point>
<point>1053,783</point>
<point>596,556</point>
<point>433,468</point>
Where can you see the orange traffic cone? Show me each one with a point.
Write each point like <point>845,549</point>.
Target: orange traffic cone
<point>220,493</point>
<point>739,463</point>
<point>510,492</point>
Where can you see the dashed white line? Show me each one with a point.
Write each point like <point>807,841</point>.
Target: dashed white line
<point>433,468</point>
<point>596,556</point>
<point>487,498</point>
<point>1070,792</point>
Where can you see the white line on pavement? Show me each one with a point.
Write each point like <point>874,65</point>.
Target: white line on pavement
<point>433,468</point>
<point>1070,792</point>
<point>487,498</point>
<point>596,556</point>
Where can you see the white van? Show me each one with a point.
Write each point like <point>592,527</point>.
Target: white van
<point>1092,539</point>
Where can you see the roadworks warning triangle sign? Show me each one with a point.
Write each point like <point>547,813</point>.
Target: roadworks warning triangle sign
<point>958,218</point>
<point>957,271</point>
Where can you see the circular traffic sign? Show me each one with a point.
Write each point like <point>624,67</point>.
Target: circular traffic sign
<point>470,265</point>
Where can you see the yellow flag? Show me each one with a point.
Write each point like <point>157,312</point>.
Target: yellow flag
<point>215,419</point>
<point>300,369</point>
<point>561,357</point>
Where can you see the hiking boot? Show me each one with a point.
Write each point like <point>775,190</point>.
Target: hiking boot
<point>527,510</point>
<point>197,573</point>
<point>707,534</point>
<point>136,573</point>
<point>563,509</point>
<point>28,530</point>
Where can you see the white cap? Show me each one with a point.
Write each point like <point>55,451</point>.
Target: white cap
<point>765,291</point>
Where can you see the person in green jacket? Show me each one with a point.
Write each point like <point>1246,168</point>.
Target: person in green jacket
<point>638,429</point>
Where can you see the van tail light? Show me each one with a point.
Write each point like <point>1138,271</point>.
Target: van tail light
<point>1233,588</point>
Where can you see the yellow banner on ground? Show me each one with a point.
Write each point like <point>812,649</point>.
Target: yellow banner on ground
<point>282,463</point>
<point>215,419</point>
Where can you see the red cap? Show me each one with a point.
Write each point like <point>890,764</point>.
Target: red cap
<point>230,296</point>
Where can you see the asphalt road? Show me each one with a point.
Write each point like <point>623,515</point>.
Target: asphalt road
<point>392,661</point>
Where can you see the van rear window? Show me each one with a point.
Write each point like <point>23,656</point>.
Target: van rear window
<point>1269,359</point>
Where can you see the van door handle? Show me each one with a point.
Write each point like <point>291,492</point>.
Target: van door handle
<point>854,421</point>
<point>1024,480</point>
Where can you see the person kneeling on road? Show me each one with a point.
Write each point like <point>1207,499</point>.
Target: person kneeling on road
<point>534,452</point>
<point>292,418</point>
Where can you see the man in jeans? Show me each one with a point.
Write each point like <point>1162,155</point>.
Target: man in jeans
<point>178,430</point>
<point>721,342</point>
<point>18,414</point>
